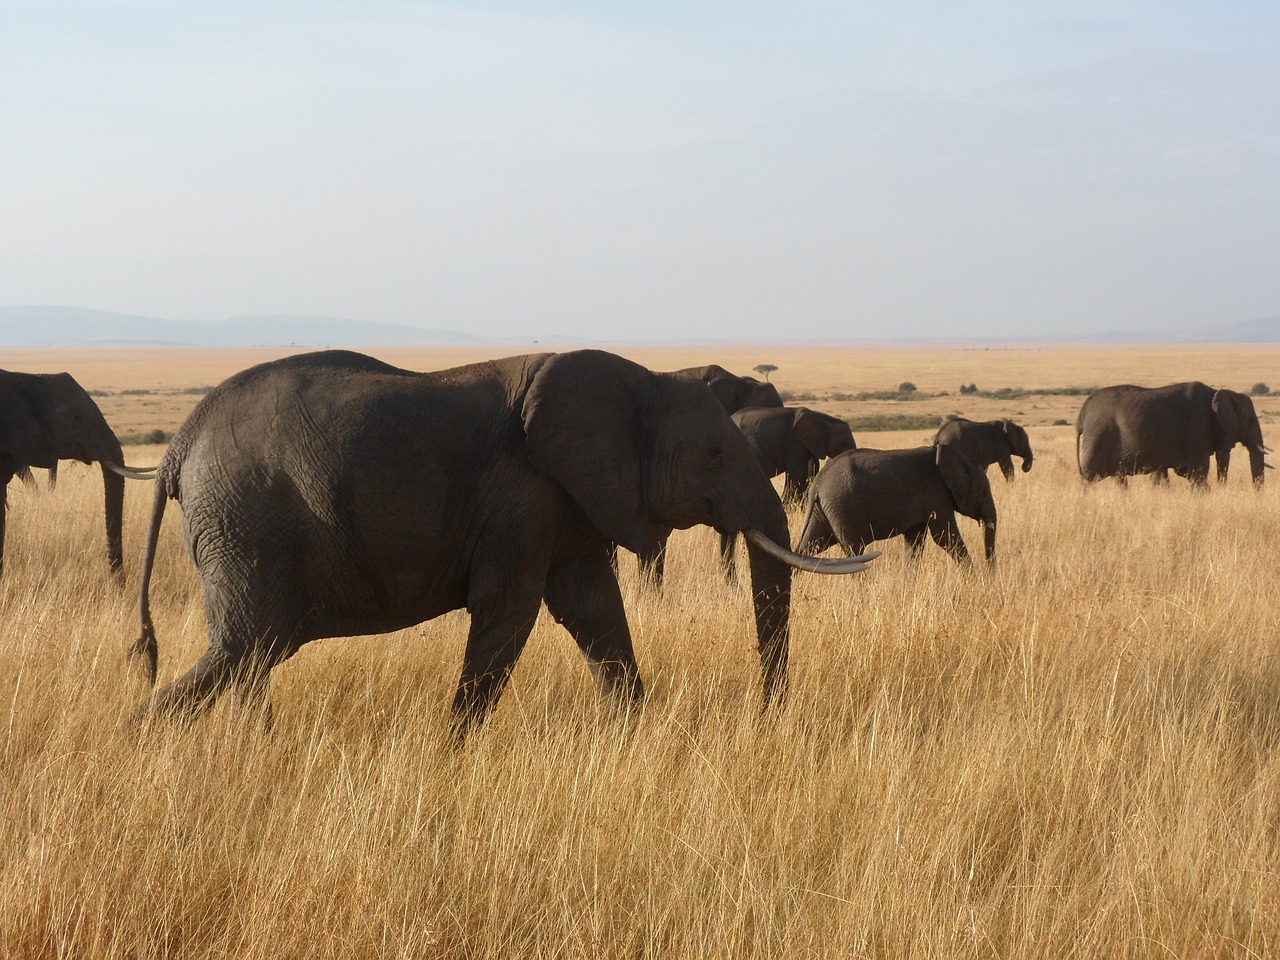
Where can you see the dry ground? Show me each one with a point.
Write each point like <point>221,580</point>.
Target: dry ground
<point>1075,756</point>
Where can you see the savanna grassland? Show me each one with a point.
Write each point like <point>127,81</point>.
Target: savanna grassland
<point>1076,755</point>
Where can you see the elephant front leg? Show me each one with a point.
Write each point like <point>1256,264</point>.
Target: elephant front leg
<point>499,628</point>
<point>916,537</point>
<point>946,534</point>
<point>583,596</point>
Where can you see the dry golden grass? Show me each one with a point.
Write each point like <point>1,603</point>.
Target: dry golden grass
<point>1075,756</point>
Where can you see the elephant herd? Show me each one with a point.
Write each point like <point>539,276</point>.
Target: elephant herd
<point>330,494</point>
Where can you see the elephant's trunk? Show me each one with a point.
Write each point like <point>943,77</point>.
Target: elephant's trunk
<point>108,456</point>
<point>113,491</point>
<point>771,596</point>
<point>989,520</point>
<point>1257,464</point>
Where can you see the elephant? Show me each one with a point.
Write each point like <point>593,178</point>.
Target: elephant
<point>47,417</point>
<point>866,495</point>
<point>1125,429</point>
<point>734,393</point>
<point>987,442</point>
<point>330,494</point>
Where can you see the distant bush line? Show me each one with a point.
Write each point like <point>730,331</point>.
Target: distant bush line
<point>194,391</point>
<point>147,436</point>
<point>876,422</point>
<point>1002,393</point>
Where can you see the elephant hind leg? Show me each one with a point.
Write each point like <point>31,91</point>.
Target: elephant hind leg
<point>583,596</point>
<point>817,534</point>
<point>192,693</point>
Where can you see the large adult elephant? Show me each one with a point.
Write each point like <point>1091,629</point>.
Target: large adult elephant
<point>331,494</point>
<point>1125,430</point>
<point>867,495</point>
<point>986,442</point>
<point>47,417</point>
<point>734,392</point>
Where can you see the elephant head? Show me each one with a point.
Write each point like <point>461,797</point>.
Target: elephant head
<point>1236,421</point>
<point>822,434</point>
<point>971,492</point>
<point>45,418</point>
<point>639,452</point>
<point>1019,445</point>
<point>737,393</point>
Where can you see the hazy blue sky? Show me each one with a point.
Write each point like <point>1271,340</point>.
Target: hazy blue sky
<point>652,169</point>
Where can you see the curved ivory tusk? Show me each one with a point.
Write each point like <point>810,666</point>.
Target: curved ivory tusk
<point>133,473</point>
<point>811,564</point>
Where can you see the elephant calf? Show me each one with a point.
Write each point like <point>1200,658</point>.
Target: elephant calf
<point>988,441</point>
<point>867,495</point>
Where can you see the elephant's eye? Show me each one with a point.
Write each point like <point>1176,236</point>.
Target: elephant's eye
<point>716,455</point>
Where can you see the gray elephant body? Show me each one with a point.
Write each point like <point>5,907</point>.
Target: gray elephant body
<point>331,495</point>
<point>1126,429</point>
<point>867,495</point>
<point>47,417</point>
<point>986,442</point>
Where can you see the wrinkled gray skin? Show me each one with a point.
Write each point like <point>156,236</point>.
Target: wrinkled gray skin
<point>1125,430</point>
<point>868,495</point>
<point>47,417</point>
<point>734,393</point>
<point>791,441</point>
<point>330,494</point>
<point>988,441</point>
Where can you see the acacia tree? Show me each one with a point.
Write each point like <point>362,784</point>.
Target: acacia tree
<point>764,369</point>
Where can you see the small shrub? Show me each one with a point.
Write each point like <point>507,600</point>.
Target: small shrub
<point>906,387</point>
<point>1259,390</point>
<point>1062,423</point>
<point>150,436</point>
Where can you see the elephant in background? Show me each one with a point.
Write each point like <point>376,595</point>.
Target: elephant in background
<point>1126,429</point>
<point>867,495</point>
<point>734,392</point>
<point>790,440</point>
<point>47,417</point>
<point>988,441</point>
<point>330,494</point>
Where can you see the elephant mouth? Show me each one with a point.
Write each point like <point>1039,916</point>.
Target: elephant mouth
<point>811,564</point>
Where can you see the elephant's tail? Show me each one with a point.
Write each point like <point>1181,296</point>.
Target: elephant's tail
<point>145,646</point>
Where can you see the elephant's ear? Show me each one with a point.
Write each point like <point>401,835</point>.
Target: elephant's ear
<point>955,471</point>
<point>728,390</point>
<point>583,417</point>
<point>812,433</point>
<point>22,439</point>
<point>1226,410</point>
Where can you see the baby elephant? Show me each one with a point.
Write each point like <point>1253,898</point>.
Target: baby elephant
<point>867,495</point>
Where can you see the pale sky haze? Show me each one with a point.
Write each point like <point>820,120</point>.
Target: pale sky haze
<point>749,171</point>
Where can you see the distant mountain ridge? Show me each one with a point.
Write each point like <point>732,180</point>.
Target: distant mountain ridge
<point>39,326</point>
<point>50,326</point>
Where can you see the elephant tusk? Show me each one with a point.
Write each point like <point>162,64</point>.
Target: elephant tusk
<point>133,473</point>
<point>811,564</point>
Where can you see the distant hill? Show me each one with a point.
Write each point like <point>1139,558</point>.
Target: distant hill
<point>43,326</point>
<point>35,326</point>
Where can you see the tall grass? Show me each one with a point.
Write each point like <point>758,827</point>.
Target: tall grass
<point>1072,756</point>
